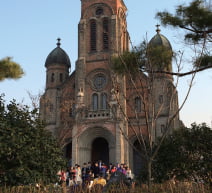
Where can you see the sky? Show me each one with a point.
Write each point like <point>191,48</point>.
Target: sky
<point>28,33</point>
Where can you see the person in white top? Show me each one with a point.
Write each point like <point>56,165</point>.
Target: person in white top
<point>78,175</point>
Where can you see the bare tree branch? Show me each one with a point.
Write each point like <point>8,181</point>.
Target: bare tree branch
<point>181,74</point>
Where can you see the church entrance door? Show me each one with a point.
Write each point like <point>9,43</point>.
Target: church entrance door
<point>100,150</point>
<point>139,164</point>
<point>68,153</point>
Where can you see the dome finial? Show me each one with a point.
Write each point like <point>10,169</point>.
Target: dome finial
<point>158,28</point>
<point>58,42</point>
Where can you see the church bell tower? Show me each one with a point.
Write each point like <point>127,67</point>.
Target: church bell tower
<point>102,33</point>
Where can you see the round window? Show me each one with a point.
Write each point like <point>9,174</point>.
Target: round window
<point>99,81</point>
<point>99,11</point>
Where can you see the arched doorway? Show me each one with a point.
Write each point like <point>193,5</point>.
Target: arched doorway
<point>139,163</point>
<point>100,150</point>
<point>68,153</point>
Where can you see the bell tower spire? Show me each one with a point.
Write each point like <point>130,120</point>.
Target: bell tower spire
<point>102,33</point>
<point>102,28</point>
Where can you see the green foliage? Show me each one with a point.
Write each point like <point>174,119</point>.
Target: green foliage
<point>28,152</point>
<point>186,154</point>
<point>145,58</point>
<point>10,69</point>
<point>203,61</point>
<point>128,62</point>
<point>160,58</point>
<point>195,19</point>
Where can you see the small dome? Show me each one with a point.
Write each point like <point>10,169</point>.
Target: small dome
<point>160,52</point>
<point>160,40</point>
<point>58,56</point>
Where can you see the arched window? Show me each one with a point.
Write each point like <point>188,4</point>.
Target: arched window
<point>162,128</point>
<point>93,35</point>
<point>95,102</point>
<point>103,101</point>
<point>105,34</point>
<point>138,104</point>
<point>52,77</point>
<point>161,99</point>
<point>61,77</point>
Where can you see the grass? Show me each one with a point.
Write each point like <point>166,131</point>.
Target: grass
<point>168,187</point>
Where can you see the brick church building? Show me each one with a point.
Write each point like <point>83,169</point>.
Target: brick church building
<point>95,113</point>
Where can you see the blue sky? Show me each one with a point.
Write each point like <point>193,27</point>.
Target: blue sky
<point>29,30</point>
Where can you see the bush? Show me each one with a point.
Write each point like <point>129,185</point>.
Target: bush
<point>186,154</point>
<point>167,187</point>
<point>28,153</point>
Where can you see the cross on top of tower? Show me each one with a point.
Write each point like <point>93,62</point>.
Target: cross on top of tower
<point>158,28</point>
<point>58,42</point>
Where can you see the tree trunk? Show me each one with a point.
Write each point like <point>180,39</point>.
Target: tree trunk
<point>149,170</point>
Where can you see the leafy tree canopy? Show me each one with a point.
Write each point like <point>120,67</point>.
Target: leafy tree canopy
<point>28,153</point>
<point>126,62</point>
<point>186,154</point>
<point>144,58</point>
<point>10,69</point>
<point>196,19</point>
<point>203,61</point>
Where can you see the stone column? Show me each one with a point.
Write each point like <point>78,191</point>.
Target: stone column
<point>74,145</point>
<point>118,144</point>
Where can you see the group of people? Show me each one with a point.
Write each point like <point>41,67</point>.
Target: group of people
<point>91,174</point>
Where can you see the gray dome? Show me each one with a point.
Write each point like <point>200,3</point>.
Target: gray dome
<point>160,40</point>
<point>58,56</point>
<point>157,44</point>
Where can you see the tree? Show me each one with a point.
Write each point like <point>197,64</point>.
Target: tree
<point>186,154</point>
<point>10,69</point>
<point>143,67</point>
<point>28,152</point>
<point>196,21</point>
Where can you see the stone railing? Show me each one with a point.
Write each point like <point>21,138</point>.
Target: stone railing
<point>97,114</point>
